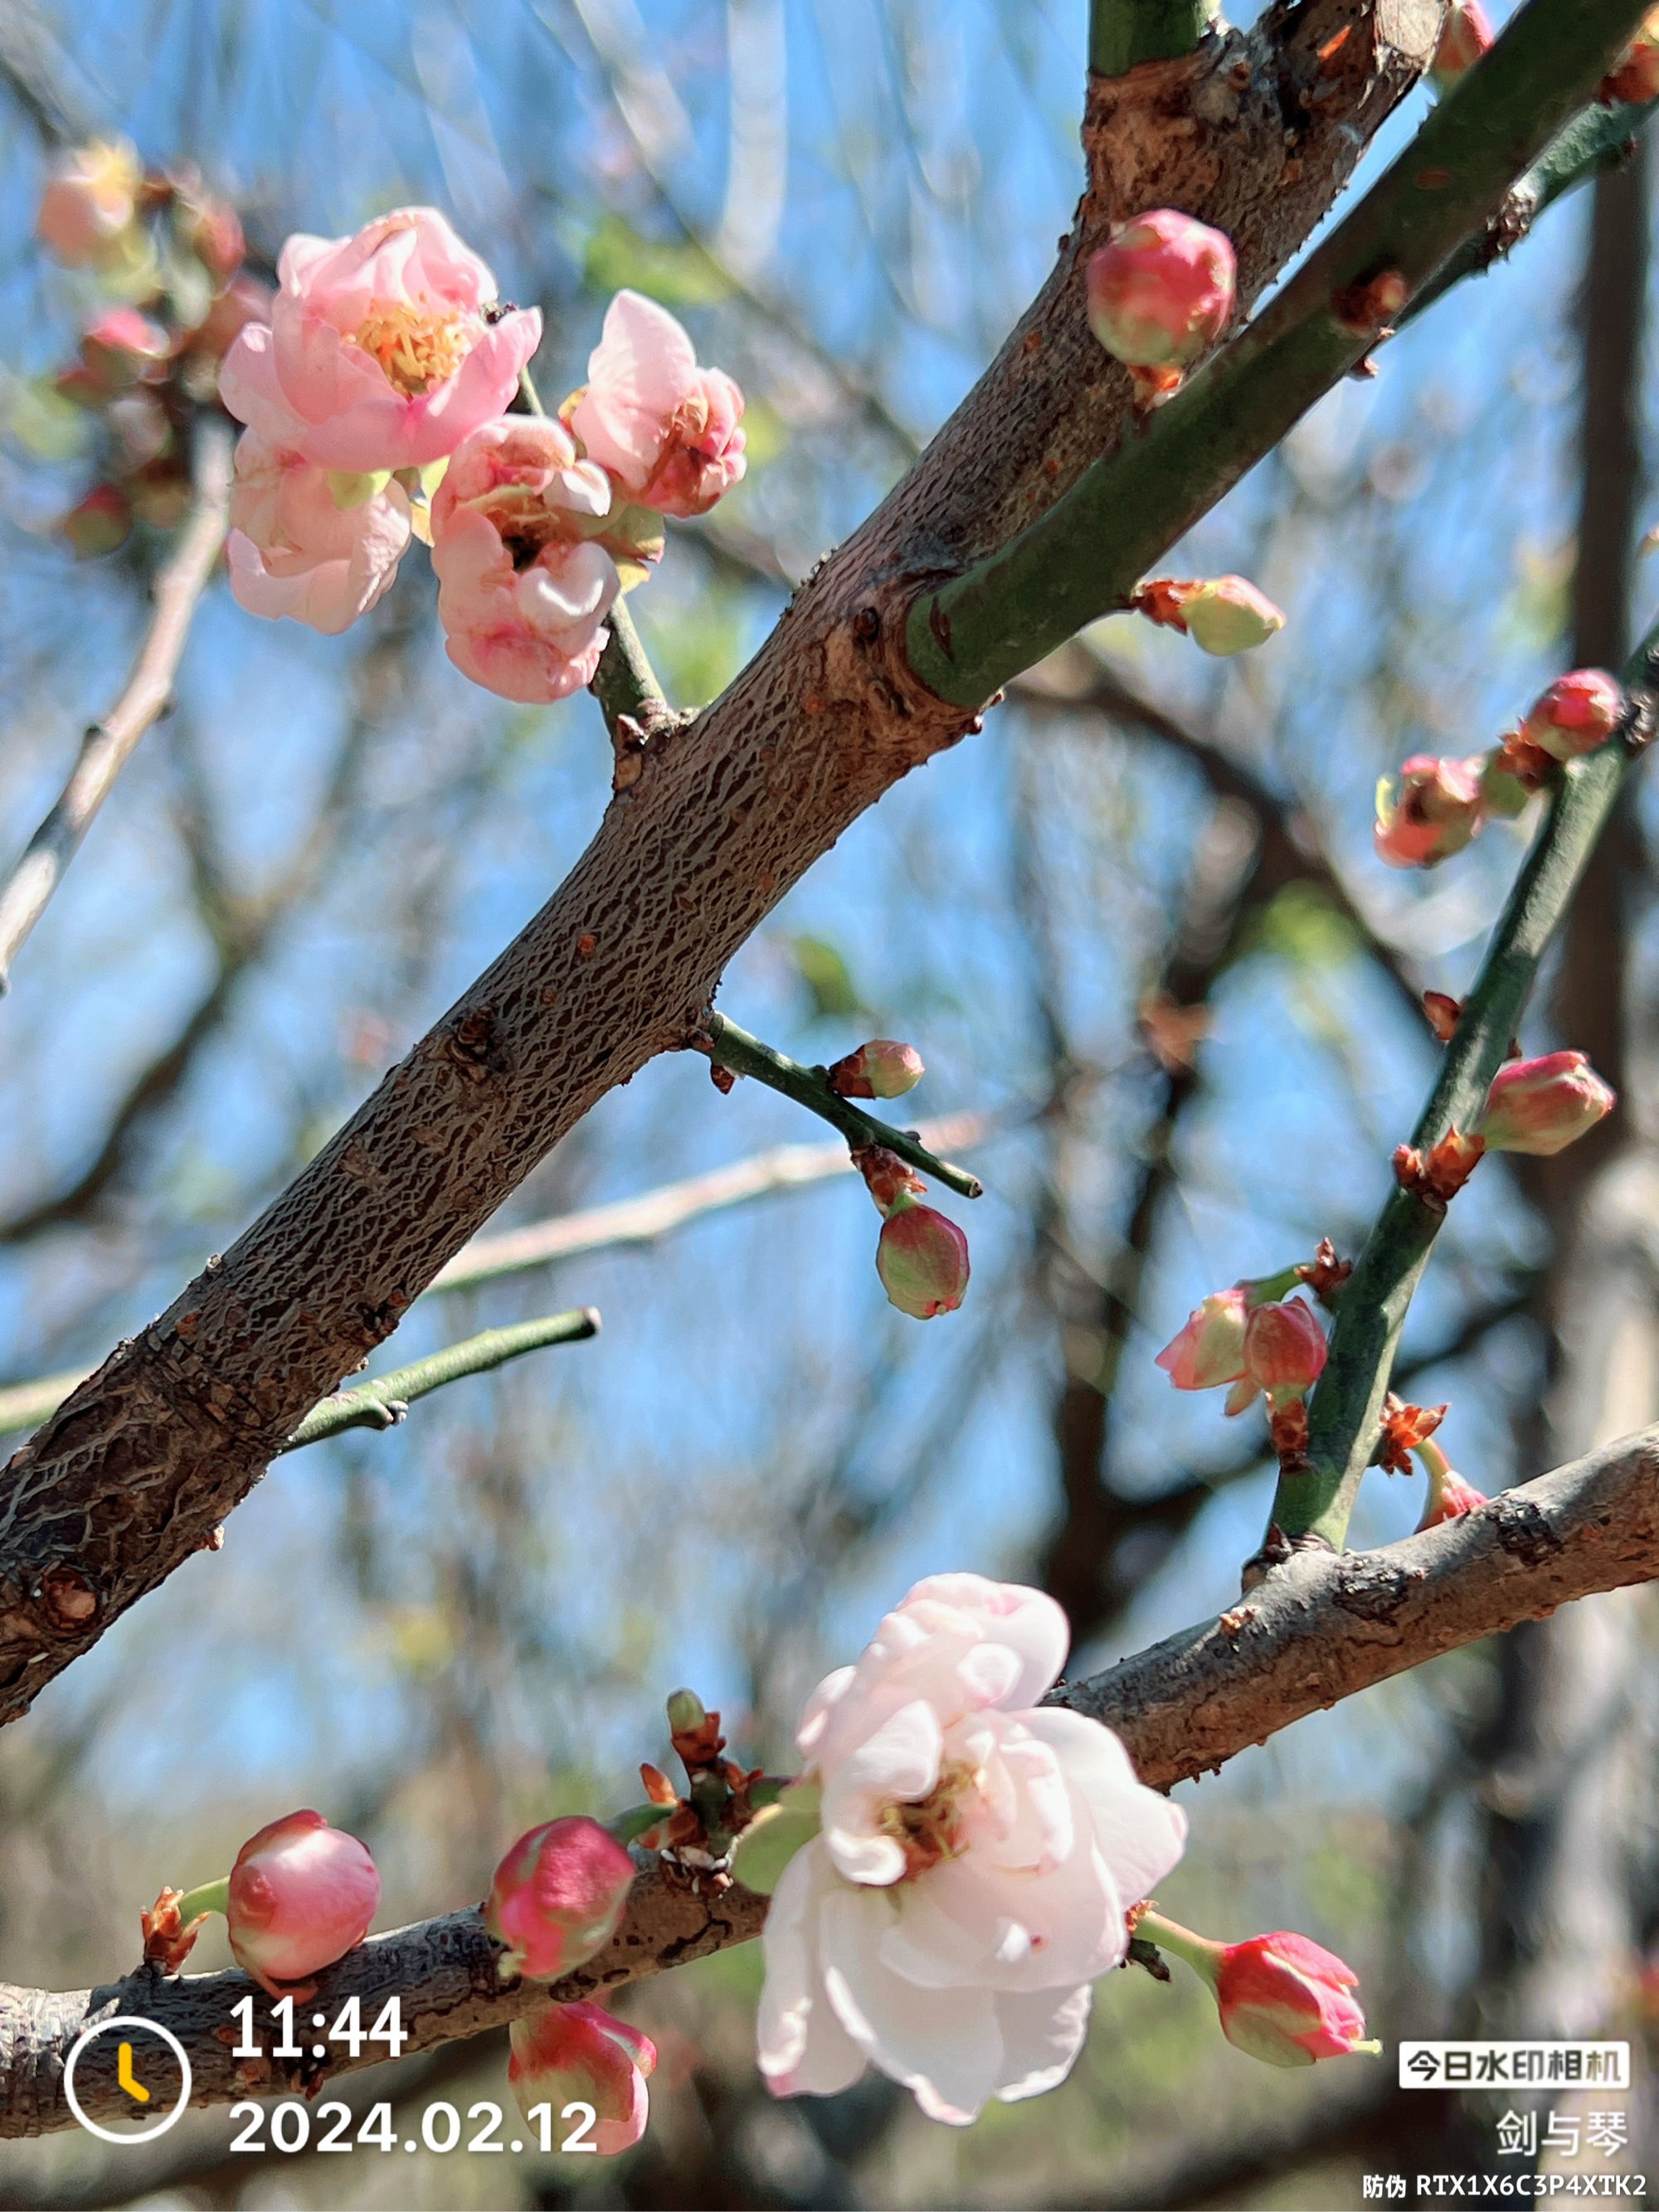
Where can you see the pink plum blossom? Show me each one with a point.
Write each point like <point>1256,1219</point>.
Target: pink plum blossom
<point>523,588</point>
<point>293,550</point>
<point>1209,1348</point>
<point>580,2053</point>
<point>1579,712</point>
<point>665,429</point>
<point>1284,1355</point>
<point>1160,292</point>
<point>1541,1106</point>
<point>558,1896</point>
<point>1438,807</point>
<point>379,346</point>
<point>301,1894</point>
<point>89,201</point>
<point>977,1856</point>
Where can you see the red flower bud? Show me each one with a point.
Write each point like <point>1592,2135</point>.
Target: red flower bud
<point>1635,78</point>
<point>1284,1352</point>
<point>1210,1348</point>
<point>1578,713</point>
<point>581,2054</point>
<point>1438,808</point>
<point>100,524</point>
<point>301,1895</point>
<point>881,1069</point>
<point>1160,293</point>
<point>558,1897</point>
<point>1541,1106</point>
<point>922,1261</point>
<point>1464,37</point>
<point>1285,2001</point>
<point>1449,1495</point>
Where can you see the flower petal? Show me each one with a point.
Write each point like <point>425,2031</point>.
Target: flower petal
<point>1027,1620</point>
<point>1142,1834</point>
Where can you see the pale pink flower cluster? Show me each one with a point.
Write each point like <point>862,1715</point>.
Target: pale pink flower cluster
<point>977,1856</point>
<point>386,365</point>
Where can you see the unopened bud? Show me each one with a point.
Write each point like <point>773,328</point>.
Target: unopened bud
<point>558,1896</point>
<point>1223,615</point>
<point>580,2054</point>
<point>922,1261</point>
<point>1435,811</point>
<point>685,1712</point>
<point>1283,1350</point>
<point>1159,293</point>
<point>1282,1999</point>
<point>1444,1013</point>
<point>1635,76</point>
<point>1464,37</point>
<point>1449,1497</point>
<point>121,345</point>
<point>881,1069</point>
<point>212,230</point>
<point>301,1895</point>
<point>1541,1106</point>
<point>1210,1348</point>
<point>100,524</point>
<point>1579,712</point>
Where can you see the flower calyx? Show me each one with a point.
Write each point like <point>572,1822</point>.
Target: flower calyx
<point>169,1938</point>
<point>1404,1429</point>
<point>1437,1174</point>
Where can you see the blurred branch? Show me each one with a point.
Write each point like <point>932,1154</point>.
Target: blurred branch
<point>729,1046</point>
<point>969,636</point>
<point>1313,1503</point>
<point>108,744</point>
<point>689,860</point>
<point>1323,1629</point>
<point>382,1403</point>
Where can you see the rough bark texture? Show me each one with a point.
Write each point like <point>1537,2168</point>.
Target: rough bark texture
<point>1257,132</point>
<point>443,1971</point>
<point>1323,1625</point>
<point>1317,1630</point>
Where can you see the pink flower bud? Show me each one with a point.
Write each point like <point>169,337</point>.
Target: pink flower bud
<point>121,346</point>
<point>1210,1348</point>
<point>880,1069</point>
<point>1283,1350</point>
<point>558,1897</point>
<point>1464,37</point>
<point>581,2054</point>
<point>1160,293</point>
<point>101,522</point>
<point>1438,810</point>
<point>1285,2001</point>
<point>88,202</point>
<point>213,231</point>
<point>1449,1497</point>
<point>1577,713</point>
<point>1541,1106</point>
<point>1223,615</point>
<point>301,1895</point>
<point>1636,78</point>
<point>922,1261</point>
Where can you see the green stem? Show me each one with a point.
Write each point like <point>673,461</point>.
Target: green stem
<point>1345,1412</point>
<point>970,636</point>
<point>743,1054</point>
<point>1124,31</point>
<point>1595,141</point>
<point>1199,1953</point>
<point>382,1403</point>
<point>206,1897</point>
<point>625,679</point>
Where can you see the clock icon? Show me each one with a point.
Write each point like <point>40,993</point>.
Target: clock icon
<point>146,2055</point>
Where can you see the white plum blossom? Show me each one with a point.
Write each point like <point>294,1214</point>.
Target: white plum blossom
<point>977,1856</point>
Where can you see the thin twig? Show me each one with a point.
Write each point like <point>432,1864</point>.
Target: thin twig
<point>624,682</point>
<point>108,744</point>
<point>730,1047</point>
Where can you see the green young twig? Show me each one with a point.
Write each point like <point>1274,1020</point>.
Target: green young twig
<point>382,1403</point>
<point>624,682</point>
<point>967,637</point>
<point>1124,31</point>
<point>730,1047</point>
<point>1345,1412</point>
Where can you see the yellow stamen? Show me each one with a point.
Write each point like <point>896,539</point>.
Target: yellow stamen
<point>417,347</point>
<point>930,1829</point>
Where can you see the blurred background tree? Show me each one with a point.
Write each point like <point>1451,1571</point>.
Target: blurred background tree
<point>1138,925</point>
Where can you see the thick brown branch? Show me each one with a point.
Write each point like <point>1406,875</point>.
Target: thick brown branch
<point>1316,1631</point>
<point>1257,133</point>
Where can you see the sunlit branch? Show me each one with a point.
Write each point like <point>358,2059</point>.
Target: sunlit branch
<point>969,636</point>
<point>1344,1413</point>
<point>1325,1628</point>
<point>108,744</point>
<point>730,1047</point>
